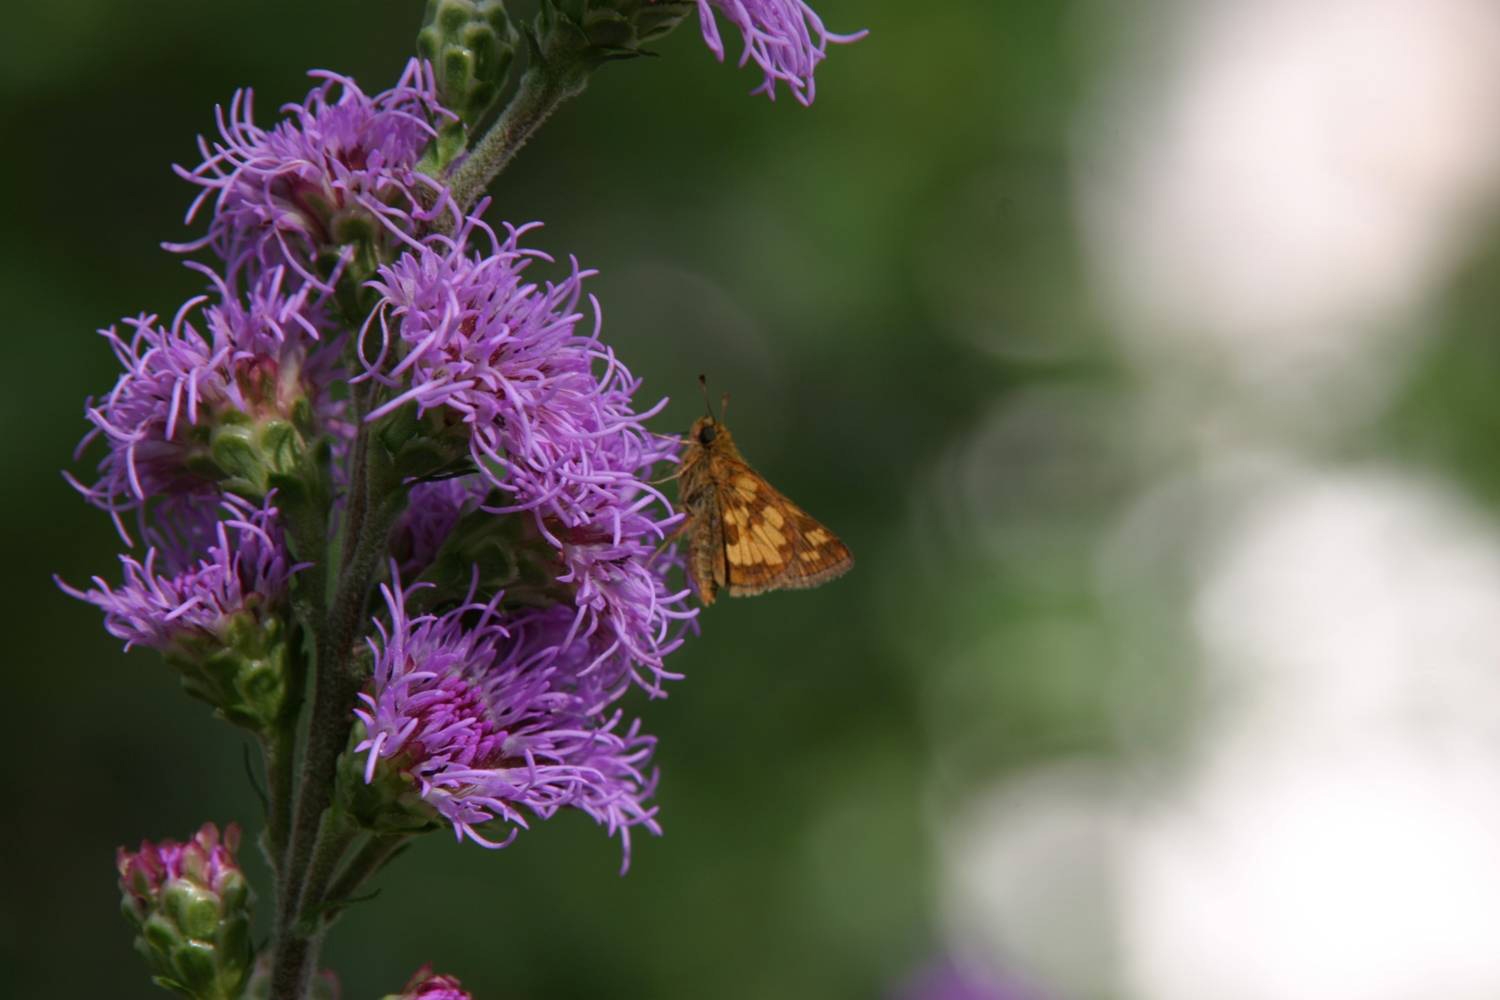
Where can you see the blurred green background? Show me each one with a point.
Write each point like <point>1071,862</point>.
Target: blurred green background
<point>872,280</point>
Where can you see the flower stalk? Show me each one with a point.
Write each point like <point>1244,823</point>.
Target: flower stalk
<point>550,81</point>
<point>375,387</point>
<point>320,836</point>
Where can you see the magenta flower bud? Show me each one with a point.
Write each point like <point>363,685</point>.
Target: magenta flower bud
<point>428,985</point>
<point>190,906</point>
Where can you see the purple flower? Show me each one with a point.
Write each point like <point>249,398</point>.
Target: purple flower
<point>785,38</point>
<point>197,584</point>
<point>432,511</point>
<point>339,169</point>
<point>259,360</point>
<point>624,609</point>
<point>491,717</point>
<point>503,358</point>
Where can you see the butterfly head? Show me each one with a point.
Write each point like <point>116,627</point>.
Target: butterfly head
<point>709,433</point>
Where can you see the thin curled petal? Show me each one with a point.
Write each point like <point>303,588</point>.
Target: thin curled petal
<point>785,38</point>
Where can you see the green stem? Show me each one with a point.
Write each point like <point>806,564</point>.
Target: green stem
<point>280,749</point>
<point>297,946</point>
<point>311,841</point>
<point>544,87</point>
<point>376,852</point>
<point>336,682</point>
<point>336,834</point>
<point>357,500</point>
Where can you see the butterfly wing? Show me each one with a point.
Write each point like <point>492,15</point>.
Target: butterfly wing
<point>768,542</point>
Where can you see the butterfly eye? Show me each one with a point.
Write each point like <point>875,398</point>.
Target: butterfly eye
<point>707,435</point>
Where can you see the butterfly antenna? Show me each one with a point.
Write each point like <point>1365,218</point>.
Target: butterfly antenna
<point>723,407</point>
<point>707,403</point>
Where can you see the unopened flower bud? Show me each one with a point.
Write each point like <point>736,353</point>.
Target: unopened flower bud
<point>583,34</point>
<point>470,44</point>
<point>428,985</point>
<point>623,27</point>
<point>190,906</point>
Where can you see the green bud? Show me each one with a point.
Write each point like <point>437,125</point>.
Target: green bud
<point>242,673</point>
<point>246,452</point>
<point>416,446</point>
<point>510,554</point>
<point>471,45</point>
<point>190,906</point>
<point>593,32</point>
<point>390,802</point>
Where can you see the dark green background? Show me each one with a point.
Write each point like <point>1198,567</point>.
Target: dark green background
<point>836,270</point>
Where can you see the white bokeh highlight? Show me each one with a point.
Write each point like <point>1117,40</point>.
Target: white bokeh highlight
<point>1336,838</point>
<point>1275,185</point>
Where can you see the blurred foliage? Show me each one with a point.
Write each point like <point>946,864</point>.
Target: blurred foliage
<point>889,287</point>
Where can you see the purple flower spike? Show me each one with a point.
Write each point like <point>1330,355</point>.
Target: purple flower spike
<point>261,358</point>
<point>785,38</point>
<point>195,585</point>
<point>490,717</point>
<point>338,169</point>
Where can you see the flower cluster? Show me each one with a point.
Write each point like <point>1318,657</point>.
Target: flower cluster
<point>498,711</point>
<point>212,596</point>
<point>785,38</point>
<point>500,708</point>
<point>207,861</point>
<point>548,417</point>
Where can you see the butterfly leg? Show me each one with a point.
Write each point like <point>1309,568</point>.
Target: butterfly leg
<point>671,537</point>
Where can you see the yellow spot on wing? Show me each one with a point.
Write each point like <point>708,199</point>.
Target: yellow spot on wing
<point>817,536</point>
<point>774,518</point>
<point>770,536</point>
<point>770,554</point>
